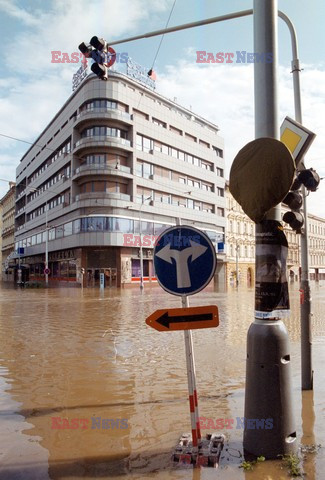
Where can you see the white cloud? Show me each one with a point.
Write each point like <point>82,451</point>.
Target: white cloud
<point>14,11</point>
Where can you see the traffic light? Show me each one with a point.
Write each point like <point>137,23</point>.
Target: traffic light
<point>310,179</point>
<point>103,55</point>
<point>99,70</point>
<point>85,49</point>
<point>294,218</point>
<point>98,43</point>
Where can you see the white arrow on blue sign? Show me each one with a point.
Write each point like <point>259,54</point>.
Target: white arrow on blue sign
<point>184,259</point>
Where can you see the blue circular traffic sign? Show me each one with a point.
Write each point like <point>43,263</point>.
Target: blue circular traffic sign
<point>184,260</point>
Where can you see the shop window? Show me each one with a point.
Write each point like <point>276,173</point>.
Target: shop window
<point>64,269</point>
<point>72,270</point>
<point>136,270</point>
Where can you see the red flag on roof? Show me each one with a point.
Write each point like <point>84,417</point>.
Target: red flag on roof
<point>152,74</point>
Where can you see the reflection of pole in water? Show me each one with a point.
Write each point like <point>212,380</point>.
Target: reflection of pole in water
<point>308,435</point>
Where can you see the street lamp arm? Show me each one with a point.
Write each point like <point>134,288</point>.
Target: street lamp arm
<point>200,23</point>
<point>292,30</point>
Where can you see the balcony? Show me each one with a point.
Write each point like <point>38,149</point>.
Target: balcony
<point>102,141</point>
<point>103,113</point>
<point>102,169</point>
<point>20,211</point>
<point>103,196</point>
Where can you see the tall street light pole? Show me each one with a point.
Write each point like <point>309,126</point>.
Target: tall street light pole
<point>305,305</point>
<point>34,189</point>
<point>237,266</point>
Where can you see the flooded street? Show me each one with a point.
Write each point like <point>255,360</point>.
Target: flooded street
<point>73,358</point>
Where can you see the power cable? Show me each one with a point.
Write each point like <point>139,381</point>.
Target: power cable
<point>162,37</point>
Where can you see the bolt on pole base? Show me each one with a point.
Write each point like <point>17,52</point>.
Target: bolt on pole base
<point>207,454</point>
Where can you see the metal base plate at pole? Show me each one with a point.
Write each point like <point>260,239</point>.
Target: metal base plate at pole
<point>209,450</point>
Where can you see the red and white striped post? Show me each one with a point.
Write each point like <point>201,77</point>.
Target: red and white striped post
<point>197,415</point>
<point>191,379</point>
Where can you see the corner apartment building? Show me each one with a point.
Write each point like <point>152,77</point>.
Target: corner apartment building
<point>115,155</point>
<point>7,203</point>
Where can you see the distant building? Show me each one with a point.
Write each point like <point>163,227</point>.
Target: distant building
<point>240,246</point>
<point>7,203</point>
<point>115,155</point>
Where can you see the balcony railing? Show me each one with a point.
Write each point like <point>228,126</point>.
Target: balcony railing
<point>102,166</point>
<point>102,195</point>
<point>96,111</point>
<point>103,138</point>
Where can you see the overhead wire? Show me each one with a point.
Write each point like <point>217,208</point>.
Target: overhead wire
<point>156,55</point>
<point>161,40</point>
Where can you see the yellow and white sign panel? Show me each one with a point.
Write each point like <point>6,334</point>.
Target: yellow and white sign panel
<point>296,137</point>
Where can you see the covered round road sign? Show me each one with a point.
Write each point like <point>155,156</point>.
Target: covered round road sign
<point>261,176</point>
<point>47,271</point>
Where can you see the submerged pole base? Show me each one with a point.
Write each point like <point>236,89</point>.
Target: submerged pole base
<point>269,421</point>
<point>207,454</point>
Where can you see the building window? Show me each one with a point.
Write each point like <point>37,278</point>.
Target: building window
<point>160,123</point>
<point>99,103</point>
<point>139,114</point>
<point>175,130</point>
<point>218,151</point>
<point>219,172</point>
<point>220,212</point>
<point>220,192</point>
<point>204,144</point>
<point>190,137</point>
<point>102,131</point>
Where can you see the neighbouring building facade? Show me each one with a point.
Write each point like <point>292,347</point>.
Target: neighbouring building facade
<point>7,203</point>
<point>240,246</point>
<point>118,160</point>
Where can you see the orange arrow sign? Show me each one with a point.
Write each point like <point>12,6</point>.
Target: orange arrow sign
<point>171,319</point>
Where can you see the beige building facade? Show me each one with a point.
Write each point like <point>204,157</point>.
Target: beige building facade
<point>8,232</point>
<point>240,246</point>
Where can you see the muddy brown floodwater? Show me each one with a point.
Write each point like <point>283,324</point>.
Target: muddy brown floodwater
<point>87,360</point>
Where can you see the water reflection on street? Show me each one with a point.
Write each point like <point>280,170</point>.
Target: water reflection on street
<point>70,354</point>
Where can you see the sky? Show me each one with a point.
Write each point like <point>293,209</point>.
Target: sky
<point>33,88</point>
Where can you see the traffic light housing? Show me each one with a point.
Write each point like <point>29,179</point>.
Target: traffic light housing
<point>103,55</point>
<point>98,43</point>
<point>85,49</point>
<point>99,70</point>
<point>294,218</point>
<point>310,179</point>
